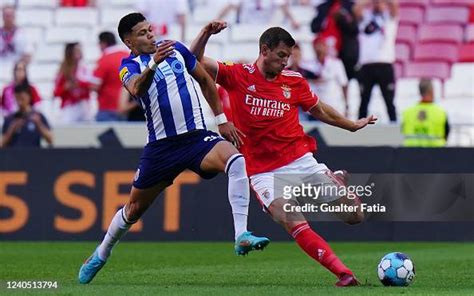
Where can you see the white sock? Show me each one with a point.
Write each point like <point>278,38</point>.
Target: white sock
<point>238,192</point>
<point>117,229</point>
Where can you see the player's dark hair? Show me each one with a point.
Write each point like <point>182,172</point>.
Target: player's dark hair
<point>128,22</point>
<point>108,38</point>
<point>273,36</point>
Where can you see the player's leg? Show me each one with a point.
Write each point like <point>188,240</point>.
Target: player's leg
<point>140,200</point>
<point>351,200</point>
<point>224,157</point>
<point>311,243</point>
<point>297,226</point>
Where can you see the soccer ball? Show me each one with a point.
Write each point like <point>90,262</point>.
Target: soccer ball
<point>396,269</point>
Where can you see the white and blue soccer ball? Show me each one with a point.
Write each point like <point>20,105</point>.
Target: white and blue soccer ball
<point>396,269</point>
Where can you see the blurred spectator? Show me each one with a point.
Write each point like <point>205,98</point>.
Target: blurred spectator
<point>77,3</point>
<point>72,86</point>
<point>26,127</point>
<point>8,102</point>
<point>296,64</point>
<point>336,24</point>
<point>425,124</point>
<point>13,45</point>
<point>106,80</point>
<point>258,11</point>
<point>378,30</point>
<point>130,108</point>
<point>329,71</point>
<point>165,14</point>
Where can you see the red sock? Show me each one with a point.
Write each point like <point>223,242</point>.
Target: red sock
<point>317,248</point>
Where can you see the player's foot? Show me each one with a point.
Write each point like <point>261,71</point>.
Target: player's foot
<point>347,280</point>
<point>247,242</point>
<point>90,268</point>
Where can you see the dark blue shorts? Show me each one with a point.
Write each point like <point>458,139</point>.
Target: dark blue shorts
<point>165,159</point>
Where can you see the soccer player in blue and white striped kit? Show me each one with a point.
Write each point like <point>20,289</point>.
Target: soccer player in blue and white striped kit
<point>162,77</point>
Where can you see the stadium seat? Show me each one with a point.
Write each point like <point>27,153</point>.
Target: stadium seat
<point>247,52</point>
<point>193,31</point>
<point>441,33</point>
<point>466,53</point>
<point>453,2</point>
<point>447,15</point>
<point>35,35</point>
<point>34,17</point>
<point>119,3</point>
<point>246,32</point>
<point>398,67</point>
<point>470,33</point>
<point>439,52</point>
<point>304,14</point>
<point>76,16</point>
<point>43,72</point>
<point>49,53</point>
<point>204,14</point>
<point>411,15</point>
<point>91,52</point>
<point>438,70</point>
<point>402,52</point>
<point>37,3</point>
<point>111,17</point>
<point>72,34</point>
<point>406,34</point>
<point>414,3</point>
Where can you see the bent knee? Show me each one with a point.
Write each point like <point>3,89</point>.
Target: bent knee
<point>355,218</point>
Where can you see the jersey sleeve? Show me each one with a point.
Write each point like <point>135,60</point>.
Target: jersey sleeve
<point>128,69</point>
<point>189,58</point>
<point>226,74</point>
<point>307,99</point>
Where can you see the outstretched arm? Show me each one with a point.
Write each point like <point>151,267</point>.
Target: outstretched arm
<point>198,46</point>
<point>329,115</point>
<point>209,90</point>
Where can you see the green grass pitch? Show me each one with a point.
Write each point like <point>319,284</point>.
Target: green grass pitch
<point>213,269</point>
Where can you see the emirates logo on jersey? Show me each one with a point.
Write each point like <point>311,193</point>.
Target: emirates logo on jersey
<point>266,107</point>
<point>286,91</point>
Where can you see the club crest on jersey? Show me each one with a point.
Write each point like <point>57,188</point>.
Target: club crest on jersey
<point>286,91</point>
<point>249,67</point>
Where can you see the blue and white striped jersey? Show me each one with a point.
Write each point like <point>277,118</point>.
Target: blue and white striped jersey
<point>172,105</point>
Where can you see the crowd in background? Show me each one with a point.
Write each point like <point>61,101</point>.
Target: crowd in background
<point>353,40</point>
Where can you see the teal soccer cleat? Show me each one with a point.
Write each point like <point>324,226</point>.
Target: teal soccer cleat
<point>247,242</point>
<point>90,268</point>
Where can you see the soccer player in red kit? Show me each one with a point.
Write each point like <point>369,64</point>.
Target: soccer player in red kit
<point>264,100</point>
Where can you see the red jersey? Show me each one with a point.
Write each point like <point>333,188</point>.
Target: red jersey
<point>267,112</point>
<point>106,76</point>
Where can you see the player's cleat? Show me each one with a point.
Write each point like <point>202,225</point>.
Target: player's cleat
<point>90,268</point>
<point>247,242</point>
<point>347,280</point>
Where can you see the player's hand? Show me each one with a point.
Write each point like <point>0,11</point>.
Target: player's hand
<point>231,133</point>
<point>36,119</point>
<point>215,27</point>
<point>16,125</point>
<point>164,50</point>
<point>363,122</point>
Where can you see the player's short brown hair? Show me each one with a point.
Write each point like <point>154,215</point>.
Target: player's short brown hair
<point>273,36</point>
